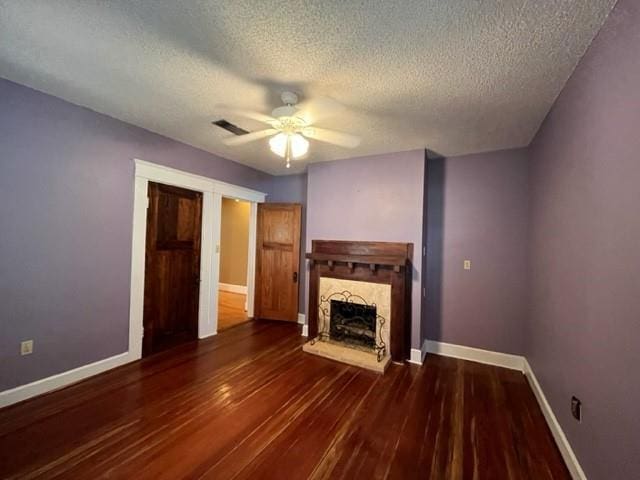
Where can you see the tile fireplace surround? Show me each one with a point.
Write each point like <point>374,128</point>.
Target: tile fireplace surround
<point>368,273</point>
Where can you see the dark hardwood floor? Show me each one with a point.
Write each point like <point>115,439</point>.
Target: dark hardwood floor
<point>250,404</point>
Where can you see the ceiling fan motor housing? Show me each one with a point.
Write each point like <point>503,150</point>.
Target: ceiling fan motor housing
<point>289,98</point>
<point>284,111</point>
<point>288,109</point>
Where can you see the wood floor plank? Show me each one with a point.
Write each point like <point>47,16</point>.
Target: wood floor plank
<point>373,430</point>
<point>249,403</point>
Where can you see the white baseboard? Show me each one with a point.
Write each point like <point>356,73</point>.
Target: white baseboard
<point>305,330</point>
<point>229,287</point>
<point>556,430</point>
<point>44,385</point>
<point>302,319</point>
<point>506,360</point>
<point>417,356</point>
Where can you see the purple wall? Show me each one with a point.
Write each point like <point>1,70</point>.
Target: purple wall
<point>377,198</point>
<point>66,206</point>
<point>293,189</point>
<point>583,337</point>
<point>477,210</point>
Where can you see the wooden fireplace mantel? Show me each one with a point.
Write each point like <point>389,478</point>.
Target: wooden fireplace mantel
<point>378,262</point>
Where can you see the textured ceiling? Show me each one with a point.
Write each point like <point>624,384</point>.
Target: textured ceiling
<point>456,76</point>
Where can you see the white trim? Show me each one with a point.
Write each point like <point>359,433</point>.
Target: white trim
<point>305,330</point>
<point>251,260</point>
<point>138,242</point>
<point>44,385</point>
<point>208,299</point>
<point>180,178</point>
<point>230,287</point>
<point>302,319</point>
<point>213,191</point>
<point>556,430</point>
<point>506,360</point>
<point>416,356</point>
<point>214,275</point>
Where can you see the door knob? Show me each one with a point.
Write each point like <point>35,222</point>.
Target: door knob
<point>295,277</point>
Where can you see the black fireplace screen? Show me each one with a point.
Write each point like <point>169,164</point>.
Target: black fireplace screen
<point>353,323</point>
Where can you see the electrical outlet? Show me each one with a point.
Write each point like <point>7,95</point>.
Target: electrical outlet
<point>467,264</point>
<point>26,347</point>
<point>576,408</point>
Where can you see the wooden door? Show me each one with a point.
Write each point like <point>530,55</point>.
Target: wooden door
<point>278,261</point>
<point>172,267</point>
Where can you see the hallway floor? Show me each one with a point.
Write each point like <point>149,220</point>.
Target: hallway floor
<point>231,310</point>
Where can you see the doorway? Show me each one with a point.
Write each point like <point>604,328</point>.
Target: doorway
<point>233,283</point>
<point>212,192</point>
<point>172,267</point>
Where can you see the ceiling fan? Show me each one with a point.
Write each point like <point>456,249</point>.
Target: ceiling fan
<point>291,124</point>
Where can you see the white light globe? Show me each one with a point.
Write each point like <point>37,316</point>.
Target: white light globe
<point>278,144</point>
<point>299,144</point>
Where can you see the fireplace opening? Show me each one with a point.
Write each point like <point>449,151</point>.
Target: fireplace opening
<point>353,323</point>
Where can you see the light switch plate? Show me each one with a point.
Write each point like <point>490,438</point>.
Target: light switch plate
<point>467,264</point>
<point>26,347</point>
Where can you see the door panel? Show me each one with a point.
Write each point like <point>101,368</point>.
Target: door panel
<point>278,261</point>
<point>172,268</point>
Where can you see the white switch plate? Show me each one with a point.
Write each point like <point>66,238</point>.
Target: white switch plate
<point>467,264</point>
<point>26,347</point>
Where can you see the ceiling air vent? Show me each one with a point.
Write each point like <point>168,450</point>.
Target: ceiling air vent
<point>230,127</point>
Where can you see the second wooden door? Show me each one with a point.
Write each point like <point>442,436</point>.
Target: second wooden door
<point>278,261</point>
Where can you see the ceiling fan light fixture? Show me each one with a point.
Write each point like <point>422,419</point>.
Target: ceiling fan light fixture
<point>297,143</point>
<point>291,124</point>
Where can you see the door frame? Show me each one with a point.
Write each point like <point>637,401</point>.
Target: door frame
<point>212,192</point>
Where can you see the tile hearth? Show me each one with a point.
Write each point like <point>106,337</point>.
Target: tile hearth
<point>348,355</point>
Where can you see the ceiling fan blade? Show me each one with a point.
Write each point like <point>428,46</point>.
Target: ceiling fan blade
<point>260,117</point>
<point>331,136</point>
<point>313,110</point>
<point>249,137</point>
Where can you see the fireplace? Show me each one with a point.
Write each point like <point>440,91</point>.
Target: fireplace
<point>360,302</point>
<point>354,315</point>
<point>353,323</point>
